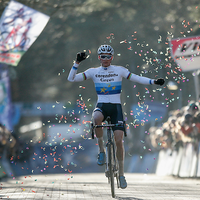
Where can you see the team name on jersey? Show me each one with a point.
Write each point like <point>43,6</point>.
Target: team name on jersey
<point>106,78</point>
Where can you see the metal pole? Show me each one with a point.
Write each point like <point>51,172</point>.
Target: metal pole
<point>196,83</point>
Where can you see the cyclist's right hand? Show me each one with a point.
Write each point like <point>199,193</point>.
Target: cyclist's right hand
<point>80,57</point>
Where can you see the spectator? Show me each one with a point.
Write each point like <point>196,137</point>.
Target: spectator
<point>7,141</point>
<point>188,128</point>
<point>7,146</point>
<point>193,108</point>
<point>197,124</point>
<point>181,127</point>
<point>167,135</point>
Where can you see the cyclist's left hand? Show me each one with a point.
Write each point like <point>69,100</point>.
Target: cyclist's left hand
<point>159,81</point>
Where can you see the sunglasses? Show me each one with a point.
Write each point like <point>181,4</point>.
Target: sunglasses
<point>104,57</point>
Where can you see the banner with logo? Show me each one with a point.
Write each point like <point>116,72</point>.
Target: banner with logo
<point>186,52</point>
<point>5,98</point>
<point>19,28</point>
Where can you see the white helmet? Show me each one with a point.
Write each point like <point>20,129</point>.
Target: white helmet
<point>105,49</point>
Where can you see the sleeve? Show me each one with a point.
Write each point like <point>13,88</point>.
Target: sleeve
<point>74,77</point>
<point>140,79</point>
<point>133,77</point>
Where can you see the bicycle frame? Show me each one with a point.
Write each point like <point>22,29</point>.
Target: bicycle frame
<point>111,168</point>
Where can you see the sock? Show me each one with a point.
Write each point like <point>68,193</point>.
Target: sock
<point>121,168</point>
<point>100,143</point>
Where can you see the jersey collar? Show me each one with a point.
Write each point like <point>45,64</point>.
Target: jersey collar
<point>105,68</point>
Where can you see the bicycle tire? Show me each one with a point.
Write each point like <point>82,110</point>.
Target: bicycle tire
<point>117,178</point>
<point>116,171</point>
<point>110,168</point>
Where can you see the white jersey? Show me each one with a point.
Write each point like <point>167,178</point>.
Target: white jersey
<point>108,81</point>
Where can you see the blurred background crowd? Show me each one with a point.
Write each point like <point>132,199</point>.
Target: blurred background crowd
<point>182,126</point>
<point>7,142</point>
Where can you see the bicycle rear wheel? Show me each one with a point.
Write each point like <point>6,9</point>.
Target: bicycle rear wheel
<point>111,169</point>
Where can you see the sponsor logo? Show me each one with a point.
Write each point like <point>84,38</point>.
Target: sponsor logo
<point>105,76</point>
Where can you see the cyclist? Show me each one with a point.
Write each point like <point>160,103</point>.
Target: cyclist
<point>108,79</point>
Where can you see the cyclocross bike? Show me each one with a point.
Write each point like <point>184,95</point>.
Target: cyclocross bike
<point>111,165</point>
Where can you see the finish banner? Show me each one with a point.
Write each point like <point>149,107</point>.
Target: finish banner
<point>186,52</point>
<point>19,28</point>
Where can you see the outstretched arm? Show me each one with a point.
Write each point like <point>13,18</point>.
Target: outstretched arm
<point>140,79</point>
<point>145,80</point>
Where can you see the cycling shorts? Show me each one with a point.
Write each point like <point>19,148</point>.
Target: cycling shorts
<point>114,111</point>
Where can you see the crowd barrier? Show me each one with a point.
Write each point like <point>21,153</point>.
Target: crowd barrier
<point>184,162</point>
<point>146,163</point>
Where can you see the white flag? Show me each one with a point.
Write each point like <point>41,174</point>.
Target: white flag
<point>19,28</point>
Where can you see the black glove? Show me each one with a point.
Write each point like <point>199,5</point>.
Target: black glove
<point>159,81</point>
<point>80,56</point>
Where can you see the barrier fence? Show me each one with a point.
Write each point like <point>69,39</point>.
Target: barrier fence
<point>185,162</point>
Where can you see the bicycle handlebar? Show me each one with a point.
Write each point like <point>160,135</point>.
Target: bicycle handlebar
<point>107,125</point>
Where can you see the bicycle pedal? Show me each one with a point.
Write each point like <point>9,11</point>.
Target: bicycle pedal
<point>116,174</point>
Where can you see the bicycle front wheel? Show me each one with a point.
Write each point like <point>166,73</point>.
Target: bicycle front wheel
<point>111,169</point>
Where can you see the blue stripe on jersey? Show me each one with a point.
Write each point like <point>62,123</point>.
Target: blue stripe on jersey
<point>75,67</point>
<point>109,92</point>
<point>108,88</point>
